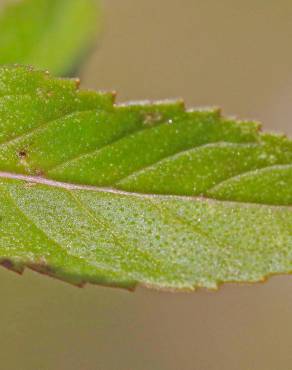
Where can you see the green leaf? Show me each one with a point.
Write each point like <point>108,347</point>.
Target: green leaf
<point>50,34</point>
<point>132,194</point>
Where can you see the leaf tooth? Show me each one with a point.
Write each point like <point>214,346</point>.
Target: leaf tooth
<point>78,281</point>
<point>12,265</point>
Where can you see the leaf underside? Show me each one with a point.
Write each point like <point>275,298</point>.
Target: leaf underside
<point>50,34</point>
<point>148,194</point>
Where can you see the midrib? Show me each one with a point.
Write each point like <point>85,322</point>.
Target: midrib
<point>69,186</point>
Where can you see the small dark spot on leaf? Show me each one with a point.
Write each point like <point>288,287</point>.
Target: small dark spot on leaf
<point>11,266</point>
<point>22,154</point>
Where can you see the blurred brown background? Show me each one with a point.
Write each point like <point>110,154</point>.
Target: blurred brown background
<point>234,54</point>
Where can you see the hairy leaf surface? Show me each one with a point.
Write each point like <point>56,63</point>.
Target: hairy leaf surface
<point>51,34</point>
<point>149,194</point>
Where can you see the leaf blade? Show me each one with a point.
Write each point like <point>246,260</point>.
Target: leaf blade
<point>168,198</point>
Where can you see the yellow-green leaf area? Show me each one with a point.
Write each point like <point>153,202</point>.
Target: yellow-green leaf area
<point>50,34</point>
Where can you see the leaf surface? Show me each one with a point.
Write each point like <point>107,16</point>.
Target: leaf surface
<point>50,34</point>
<point>149,194</point>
